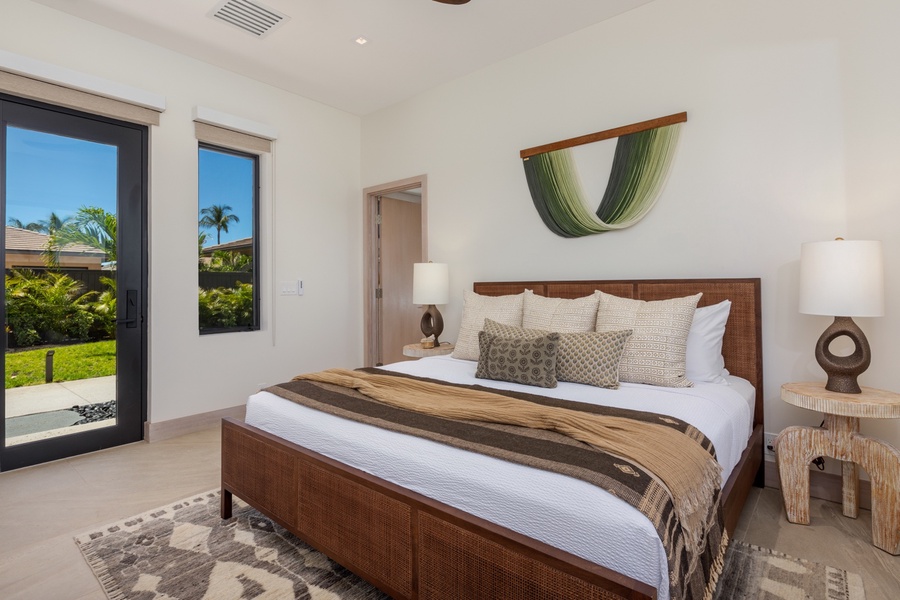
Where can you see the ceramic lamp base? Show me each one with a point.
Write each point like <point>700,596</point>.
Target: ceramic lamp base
<point>432,323</point>
<point>843,371</point>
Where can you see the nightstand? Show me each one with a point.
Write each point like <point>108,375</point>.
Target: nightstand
<point>417,351</point>
<point>797,446</point>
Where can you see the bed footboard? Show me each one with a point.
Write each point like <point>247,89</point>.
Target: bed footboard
<point>407,545</point>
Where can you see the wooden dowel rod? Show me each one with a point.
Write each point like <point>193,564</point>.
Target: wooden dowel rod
<point>605,135</point>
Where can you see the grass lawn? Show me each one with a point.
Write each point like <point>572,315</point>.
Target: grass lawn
<point>81,361</point>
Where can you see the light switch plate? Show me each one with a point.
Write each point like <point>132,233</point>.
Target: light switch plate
<point>289,288</point>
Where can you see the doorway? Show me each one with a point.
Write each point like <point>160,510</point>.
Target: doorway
<point>395,239</point>
<point>73,199</point>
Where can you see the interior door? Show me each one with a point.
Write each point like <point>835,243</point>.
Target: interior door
<point>73,195</point>
<point>400,246</point>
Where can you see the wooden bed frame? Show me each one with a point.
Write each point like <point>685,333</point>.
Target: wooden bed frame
<point>413,547</point>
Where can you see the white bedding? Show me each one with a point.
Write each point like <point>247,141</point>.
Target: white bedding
<point>566,513</point>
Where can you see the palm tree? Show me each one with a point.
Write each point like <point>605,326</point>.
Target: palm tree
<point>13,222</point>
<point>91,226</point>
<point>217,217</point>
<point>48,225</point>
<point>52,223</point>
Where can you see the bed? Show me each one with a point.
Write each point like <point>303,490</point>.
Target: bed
<point>412,546</point>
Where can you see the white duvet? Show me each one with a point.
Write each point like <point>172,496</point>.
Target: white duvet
<point>567,513</point>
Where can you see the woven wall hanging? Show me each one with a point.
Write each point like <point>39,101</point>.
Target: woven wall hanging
<point>641,163</point>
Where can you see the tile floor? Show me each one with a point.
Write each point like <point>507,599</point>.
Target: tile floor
<point>44,506</point>
<point>830,538</point>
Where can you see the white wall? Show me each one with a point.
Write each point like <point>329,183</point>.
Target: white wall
<point>792,137</point>
<point>315,218</point>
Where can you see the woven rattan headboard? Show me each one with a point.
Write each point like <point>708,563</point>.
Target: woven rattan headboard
<point>742,346</point>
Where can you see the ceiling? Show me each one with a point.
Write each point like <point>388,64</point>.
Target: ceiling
<point>414,45</point>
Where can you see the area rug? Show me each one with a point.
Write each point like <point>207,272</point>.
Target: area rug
<point>184,551</point>
<point>754,573</point>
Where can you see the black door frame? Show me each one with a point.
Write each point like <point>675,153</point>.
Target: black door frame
<point>132,142</point>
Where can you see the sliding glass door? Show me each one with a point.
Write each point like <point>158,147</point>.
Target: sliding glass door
<point>73,191</point>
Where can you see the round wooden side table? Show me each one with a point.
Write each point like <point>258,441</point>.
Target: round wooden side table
<point>797,446</point>
<point>417,351</point>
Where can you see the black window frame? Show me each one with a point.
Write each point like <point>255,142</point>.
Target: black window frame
<point>255,158</point>
<point>132,364</point>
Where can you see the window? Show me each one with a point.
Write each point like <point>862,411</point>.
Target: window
<point>228,240</point>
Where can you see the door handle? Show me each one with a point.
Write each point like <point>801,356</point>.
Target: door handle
<point>130,320</point>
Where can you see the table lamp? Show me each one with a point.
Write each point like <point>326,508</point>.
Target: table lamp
<point>431,285</point>
<point>843,279</point>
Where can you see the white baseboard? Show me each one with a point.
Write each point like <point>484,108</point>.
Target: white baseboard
<point>826,486</point>
<point>163,430</point>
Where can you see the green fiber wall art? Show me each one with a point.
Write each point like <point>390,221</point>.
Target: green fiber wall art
<point>641,163</point>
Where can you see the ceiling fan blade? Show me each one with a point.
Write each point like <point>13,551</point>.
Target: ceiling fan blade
<point>452,1</point>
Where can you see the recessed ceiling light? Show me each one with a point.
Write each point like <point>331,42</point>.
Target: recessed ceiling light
<point>361,41</point>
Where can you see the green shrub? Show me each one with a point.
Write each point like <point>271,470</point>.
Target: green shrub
<point>48,308</point>
<point>103,311</point>
<point>226,307</point>
<point>227,261</point>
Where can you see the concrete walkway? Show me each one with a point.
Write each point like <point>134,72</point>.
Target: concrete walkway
<point>49,397</point>
<point>46,407</point>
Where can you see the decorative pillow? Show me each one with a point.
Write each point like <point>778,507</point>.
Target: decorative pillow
<point>477,308</point>
<point>588,357</point>
<point>559,314</point>
<point>591,357</point>
<point>703,358</point>
<point>512,331</point>
<point>519,360</point>
<point>655,354</point>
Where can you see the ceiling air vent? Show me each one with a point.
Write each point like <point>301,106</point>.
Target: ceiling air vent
<point>252,17</point>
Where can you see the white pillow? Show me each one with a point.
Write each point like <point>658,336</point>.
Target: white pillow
<point>703,359</point>
<point>560,314</point>
<point>476,308</point>
<point>655,353</point>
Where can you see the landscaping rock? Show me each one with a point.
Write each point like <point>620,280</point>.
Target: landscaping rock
<point>92,413</point>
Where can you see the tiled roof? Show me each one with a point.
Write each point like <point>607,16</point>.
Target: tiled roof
<point>241,244</point>
<point>23,240</point>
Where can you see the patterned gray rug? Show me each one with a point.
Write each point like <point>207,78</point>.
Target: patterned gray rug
<point>184,551</point>
<point>754,573</point>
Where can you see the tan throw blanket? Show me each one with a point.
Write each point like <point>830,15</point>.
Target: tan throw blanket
<point>673,479</point>
<point>692,476</point>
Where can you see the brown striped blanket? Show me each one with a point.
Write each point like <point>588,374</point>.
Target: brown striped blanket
<point>579,440</point>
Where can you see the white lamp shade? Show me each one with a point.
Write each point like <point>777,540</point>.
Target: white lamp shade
<point>842,278</point>
<point>431,283</point>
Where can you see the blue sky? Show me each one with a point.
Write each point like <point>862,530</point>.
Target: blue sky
<point>51,173</point>
<point>227,179</point>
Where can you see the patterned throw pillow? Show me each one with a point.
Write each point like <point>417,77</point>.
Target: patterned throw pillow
<point>519,360</point>
<point>477,308</point>
<point>589,357</point>
<point>560,314</point>
<point>512,331</point>
<point>655,353</point>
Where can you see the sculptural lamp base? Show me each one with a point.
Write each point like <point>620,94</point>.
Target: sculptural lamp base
<point>842,371</point>
<point>432,323</point>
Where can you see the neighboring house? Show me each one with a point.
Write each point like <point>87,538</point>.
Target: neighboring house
<point>241,246</point>
<point>25,250</point>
